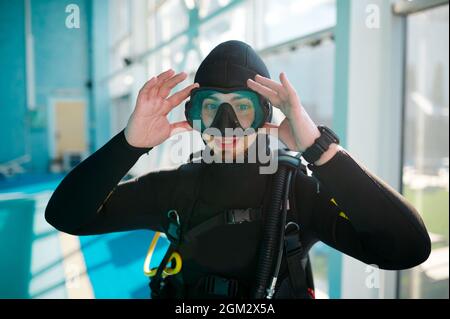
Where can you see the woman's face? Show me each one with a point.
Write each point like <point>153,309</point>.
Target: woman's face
<point>229,146</point>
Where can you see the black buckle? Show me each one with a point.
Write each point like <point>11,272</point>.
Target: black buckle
<point>219,286</point>
<point>292,239</point>
<point>237,216</point>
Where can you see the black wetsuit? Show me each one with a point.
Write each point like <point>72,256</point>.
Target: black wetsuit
<point>379,226</point>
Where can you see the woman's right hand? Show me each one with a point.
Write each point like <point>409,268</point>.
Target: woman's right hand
<point>148,125</point>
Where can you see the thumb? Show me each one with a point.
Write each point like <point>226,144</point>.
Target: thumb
<point>180,127</point>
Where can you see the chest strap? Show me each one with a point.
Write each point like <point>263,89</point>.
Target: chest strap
<point>231,216</point>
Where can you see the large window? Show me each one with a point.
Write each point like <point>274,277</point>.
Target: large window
<point>310,69</point>
<point>426,146</point>
<point>232,24</point>
<point>287,19</point>
<point>119,37</point>
<point>208,7</point>
<point>171,19</point>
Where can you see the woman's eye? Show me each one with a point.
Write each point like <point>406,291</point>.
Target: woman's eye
<point>211,106</point>
<point>244,107</point>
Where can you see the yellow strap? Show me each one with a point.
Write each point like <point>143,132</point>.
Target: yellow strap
<point>342,214</point>
<point>167,270</point>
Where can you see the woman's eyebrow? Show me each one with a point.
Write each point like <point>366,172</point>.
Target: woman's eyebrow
<point>240,98</point>
<point>212,97</point>
<point>234,98</point>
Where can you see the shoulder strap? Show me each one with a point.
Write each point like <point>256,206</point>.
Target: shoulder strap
<point>191,191</point>
<point>296,263</point>
<point>297,259</point>
<point>186,190</point>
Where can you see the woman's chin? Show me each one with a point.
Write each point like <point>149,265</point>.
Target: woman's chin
<point>229,153</point>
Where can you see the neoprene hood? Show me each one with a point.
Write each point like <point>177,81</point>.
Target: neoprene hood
<point>229,65</point>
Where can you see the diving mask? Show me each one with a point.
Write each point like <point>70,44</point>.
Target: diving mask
<point>227,108</point>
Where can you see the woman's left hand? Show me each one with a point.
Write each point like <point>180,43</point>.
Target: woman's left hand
<point>297,130</point>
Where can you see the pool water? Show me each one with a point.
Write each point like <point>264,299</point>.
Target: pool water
<point>33,265</point>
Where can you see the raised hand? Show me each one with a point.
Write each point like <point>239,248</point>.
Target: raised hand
<point>297,130</point>
<point>148,125</point>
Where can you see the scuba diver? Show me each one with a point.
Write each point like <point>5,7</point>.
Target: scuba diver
<point>234,232</point>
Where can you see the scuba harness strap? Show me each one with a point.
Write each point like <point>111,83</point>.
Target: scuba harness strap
<point>157,283</point>
<point>296,262</point>
<point>230,216</point>
<point>175,230</point>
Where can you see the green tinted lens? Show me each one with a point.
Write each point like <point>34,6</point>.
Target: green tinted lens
<point>246,105</point>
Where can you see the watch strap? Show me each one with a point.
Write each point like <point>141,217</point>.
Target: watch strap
<point>327,137</point>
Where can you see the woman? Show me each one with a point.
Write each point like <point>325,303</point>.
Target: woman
<point>342,204</point>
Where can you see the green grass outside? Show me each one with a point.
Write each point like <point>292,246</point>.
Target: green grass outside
<point>433,205</point>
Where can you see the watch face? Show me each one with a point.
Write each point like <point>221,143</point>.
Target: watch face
<point>330,133</point>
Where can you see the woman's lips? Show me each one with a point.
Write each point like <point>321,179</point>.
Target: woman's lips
<point>225,143</point>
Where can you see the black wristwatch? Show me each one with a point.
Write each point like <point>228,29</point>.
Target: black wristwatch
<point>321,144</point>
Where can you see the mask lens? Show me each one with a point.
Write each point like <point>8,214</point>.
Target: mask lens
<point>209,110</point>
<point>246,105</point>
<point>245,110</point>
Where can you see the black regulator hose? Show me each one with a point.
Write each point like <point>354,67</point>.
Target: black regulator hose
<point>269,243</point>
<point>281,231</point>
<point>274,226</point>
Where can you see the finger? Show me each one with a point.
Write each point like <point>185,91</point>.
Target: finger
<point>169,84</point>
<point>166,74</point>
<point>284,80</point>
<point>180,96</point>
<point>160,80</point>
<point>179,127</point>
<point>147,86</point>
<point>264,91</point>
<point>277,87</point>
